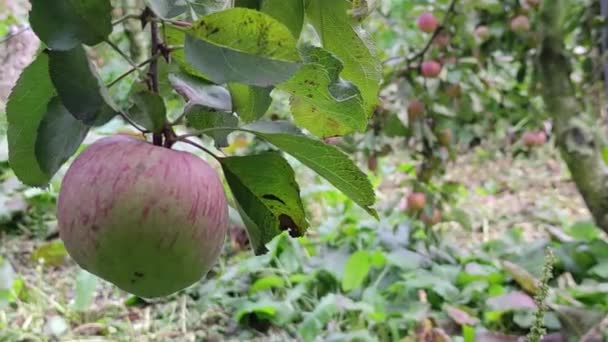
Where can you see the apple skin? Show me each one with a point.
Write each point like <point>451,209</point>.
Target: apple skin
<point>430,69</point>
<point>427,22</point>
<point>149,219</point>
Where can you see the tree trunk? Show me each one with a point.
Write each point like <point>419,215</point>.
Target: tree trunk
<point>576,132</point>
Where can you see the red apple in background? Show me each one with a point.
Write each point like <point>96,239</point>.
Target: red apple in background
<point>415,109</point>
<point>520,24</point>
<point>427,22</point>
<point>533,139</point>
<point>430,69</point>
<point>431,219</point>
<point>149,219</point>
<point>416,201</point>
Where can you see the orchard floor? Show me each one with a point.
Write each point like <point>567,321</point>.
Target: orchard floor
<point>533,193</point>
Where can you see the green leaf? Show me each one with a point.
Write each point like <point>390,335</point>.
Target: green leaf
<point>394,127</point>
<point>267,195</point>
<point>251,103</point>
<point>331,164</point>
<point>356,270</point>
<point>584,231</point>
<point>267,283</point>
<point>200,92</point>
<point>52,253</point>
<point>79,87</point>
<point>314,323</point>
<point>288,12</point>
<point>59,136</point>
<point>149,110</point>
<point>25,110</point>
<point>177,37</point>
<point>42,134</point>
<point>86,284</point>
<point>168,8</point>
<point>322,102</point>
<point>350,45</point>
<point>202,118</point>
<point>65,24</point>
<point>242,45</point>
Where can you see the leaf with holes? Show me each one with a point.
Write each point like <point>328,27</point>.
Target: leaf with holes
<point>322,102</point>
<point>65,24</point>
<point>79,87</point>
<point>242,45</point>
<point>330,163</point>
<point>267,196</point>
<point>350,45</point>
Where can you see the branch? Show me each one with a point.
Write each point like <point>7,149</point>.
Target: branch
<point>199,146</point>
<point>132,70</point>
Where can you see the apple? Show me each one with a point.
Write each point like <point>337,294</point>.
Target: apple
<point>427,22</point>
<point>432,219</point>
<point>416,201</point>
<point>415,109</point>
<point>430,69</point>
<point>482,33</point>
<point>149,219</point>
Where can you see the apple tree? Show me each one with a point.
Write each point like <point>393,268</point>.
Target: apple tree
<point>151,219</point>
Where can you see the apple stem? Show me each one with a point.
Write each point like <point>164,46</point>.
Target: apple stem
<point>158,48</point>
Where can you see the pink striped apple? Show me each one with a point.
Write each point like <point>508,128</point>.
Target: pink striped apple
<point>149,219</point>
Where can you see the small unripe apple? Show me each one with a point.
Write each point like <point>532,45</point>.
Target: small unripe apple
<point>453,90</point>
<point>433,219</point>
<point>415,109</point>
<point>416,201</point>
<point>442,40</point>
<point>482,33</point>
<point>520,24</point>
<point>430,69</point>
<point>427,22</point>
<point>445,137</point>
